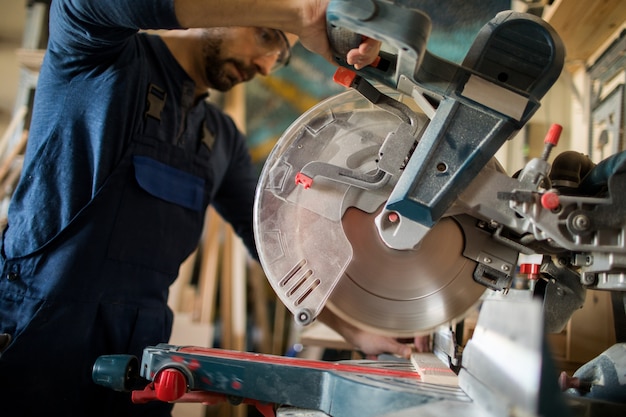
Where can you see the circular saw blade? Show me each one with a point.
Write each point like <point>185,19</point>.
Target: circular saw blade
<point>319,246</point>
<point>404,292</point>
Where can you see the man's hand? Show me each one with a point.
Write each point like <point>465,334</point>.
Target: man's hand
<point>314,37</point>
<point>603,377</point>
<point>365,54</point>
<point>373,344</point>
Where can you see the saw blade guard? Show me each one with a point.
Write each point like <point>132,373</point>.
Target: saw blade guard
<point>317,198</point>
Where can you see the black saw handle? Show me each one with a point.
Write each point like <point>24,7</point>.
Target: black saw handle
<point>405,29</point>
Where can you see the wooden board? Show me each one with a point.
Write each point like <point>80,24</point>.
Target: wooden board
<point>585,26</point>
<point>432,370</point>
<point>319,334</point>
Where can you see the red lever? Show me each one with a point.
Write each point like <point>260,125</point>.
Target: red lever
<point>553,135</point>
<point>551,140</point>
<point>170,384</point>
<point>344,76</point>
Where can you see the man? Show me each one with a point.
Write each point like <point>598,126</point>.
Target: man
<point>124,156</point>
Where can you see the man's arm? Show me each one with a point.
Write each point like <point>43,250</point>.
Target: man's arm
<point>90,27</point>
<point>305,18</point>
<point>288,15</point>
<point>111,22</point>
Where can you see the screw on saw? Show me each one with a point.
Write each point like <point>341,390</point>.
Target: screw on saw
<point>393,217</point>
<point>581,222</point>
<point>304,317</point>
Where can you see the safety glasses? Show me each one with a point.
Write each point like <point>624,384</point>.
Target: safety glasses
<point>274,43</point>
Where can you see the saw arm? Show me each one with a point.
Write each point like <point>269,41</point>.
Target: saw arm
<point>513,62</point>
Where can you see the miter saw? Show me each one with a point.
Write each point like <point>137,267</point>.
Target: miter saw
<point>385,205</point>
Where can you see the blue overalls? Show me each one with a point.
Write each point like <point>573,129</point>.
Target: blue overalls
<point>112,199</point>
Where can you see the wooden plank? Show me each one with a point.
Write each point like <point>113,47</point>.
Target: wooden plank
<point>9,183</point>
<point>319,334</point>
<point>232,283</point>
<point>204,307</point>
<point>585,26</point>
<point>591,328</point>
<point>432,370</point>
<point>16,120</point>
<point>30,58</point>
<point>226,296</point>
<point>280,326</point>
<point>260,297</point>
<point>238,296</point>
<point>11,157</point>
<point>182,285</point>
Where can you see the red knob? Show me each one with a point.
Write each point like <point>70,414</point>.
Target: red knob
<point>553,135</point>
<point>170,384</point>
<point>529,269</point>
<point>550,201</point>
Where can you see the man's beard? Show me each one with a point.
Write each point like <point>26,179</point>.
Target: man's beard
<point>215,67</point>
